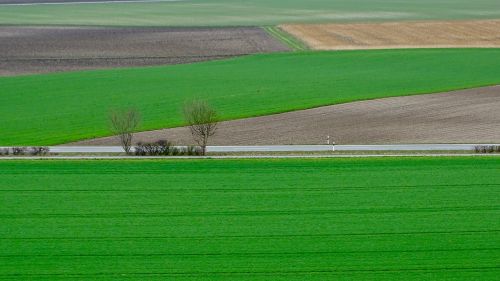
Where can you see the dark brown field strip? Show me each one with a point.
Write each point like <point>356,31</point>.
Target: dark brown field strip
<point>270,236</point>
<point>27,50</point>
<point>260,213</point>
<point>120,58</point>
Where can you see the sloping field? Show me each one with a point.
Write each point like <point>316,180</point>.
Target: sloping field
<point>65,107</point>
<point>452,34</point>
<point>48,49</point>
<point>243,12</point>
<point>468,116</point>
<point>363,219</point>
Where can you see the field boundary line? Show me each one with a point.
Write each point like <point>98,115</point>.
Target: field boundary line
<point>291,41</point>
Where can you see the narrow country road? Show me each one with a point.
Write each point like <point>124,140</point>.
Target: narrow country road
<point>287,148</point>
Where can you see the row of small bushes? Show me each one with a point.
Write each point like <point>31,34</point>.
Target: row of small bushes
<point>21,150</point>
<point>165,148</point>
<point>487,149</point>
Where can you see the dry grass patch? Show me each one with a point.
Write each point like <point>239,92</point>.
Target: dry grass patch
<point>440,34</point>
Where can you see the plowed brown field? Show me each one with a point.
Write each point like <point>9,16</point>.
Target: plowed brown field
<point>26,50</point>
<point>468,116</point>
<point>452,34</point>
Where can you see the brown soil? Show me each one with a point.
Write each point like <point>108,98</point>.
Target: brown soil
<point>467,116</point>
<point>451,34</point>
<point>25,50</point>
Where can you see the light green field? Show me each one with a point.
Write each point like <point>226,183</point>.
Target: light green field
<point>346,219</point>
<point>58,108</point>
<point>247,12</point>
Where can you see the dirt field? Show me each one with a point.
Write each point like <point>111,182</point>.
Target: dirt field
<point>468,116</point>
<point>25,50</point>
<point>484,33</point>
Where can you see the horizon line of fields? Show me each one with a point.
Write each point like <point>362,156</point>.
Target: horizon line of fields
<point>246,12</point>
<point>287,219</point>
<point>58,108</point>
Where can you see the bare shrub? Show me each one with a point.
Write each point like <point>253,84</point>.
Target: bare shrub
<point>190,150</point>
<point>176,151</point>
<point>19,150</point>
<point>39,150</point>
<point>481,149</point>
<point>158,148</point>
<point>164,148</point>
<point>487,148</point>
<point>193,151</point>
<point>123,123</point>
<point>202,121</point>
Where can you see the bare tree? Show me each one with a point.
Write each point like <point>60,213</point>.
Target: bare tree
<point>123,123</point>
<point>202,121</point>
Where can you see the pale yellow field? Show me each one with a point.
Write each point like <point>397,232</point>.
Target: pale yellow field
<point>449,34</point>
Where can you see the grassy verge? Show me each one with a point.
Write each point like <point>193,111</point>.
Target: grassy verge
<point>58,108</point>
<point>292,42</point>
<point>342,219</point>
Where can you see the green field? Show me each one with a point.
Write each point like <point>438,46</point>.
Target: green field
<point>345,219</point>
<point>58,108</point>
<point>247,12</point>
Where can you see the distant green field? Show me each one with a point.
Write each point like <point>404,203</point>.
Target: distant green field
<point>58,108</point>
<point>247,12</point>
<point>346,219</point>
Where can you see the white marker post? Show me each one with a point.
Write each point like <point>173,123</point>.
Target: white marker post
<point>328,142</point>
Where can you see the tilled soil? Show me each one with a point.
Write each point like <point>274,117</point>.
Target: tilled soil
<point>25,50</point>
<point>481,33</point>
<point>467,116</point>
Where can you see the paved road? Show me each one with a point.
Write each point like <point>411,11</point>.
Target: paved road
<point>313,148</point>
<point>286,148</point>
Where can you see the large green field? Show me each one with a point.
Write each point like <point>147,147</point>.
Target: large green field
<point>58,108</point>
<point>345,219</point>
<point>247,12</point>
